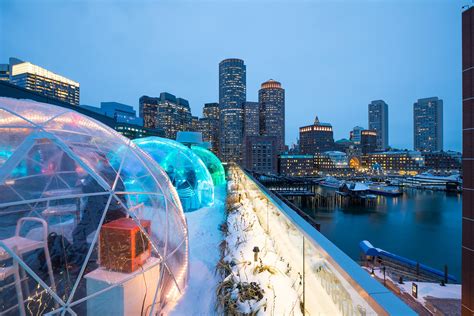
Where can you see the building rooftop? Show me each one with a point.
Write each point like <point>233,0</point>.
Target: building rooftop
<point>271,84</point>
<point>27,67</point>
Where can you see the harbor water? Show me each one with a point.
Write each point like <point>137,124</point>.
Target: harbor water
<point>421,225</point>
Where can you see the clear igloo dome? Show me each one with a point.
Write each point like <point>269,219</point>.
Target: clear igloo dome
<point>213,164</point>
<point>90,224</point>
<point>185,169</point>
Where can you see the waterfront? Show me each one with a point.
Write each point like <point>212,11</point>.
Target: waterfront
<point>420,225</point>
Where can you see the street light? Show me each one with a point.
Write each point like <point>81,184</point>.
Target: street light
<point>256,250</point>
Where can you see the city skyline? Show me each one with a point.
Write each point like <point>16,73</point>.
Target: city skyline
<point>403,76</point>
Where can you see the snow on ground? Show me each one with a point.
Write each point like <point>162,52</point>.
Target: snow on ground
<point>426,289</point>
<point>269,271</point>
<point>204,237</point>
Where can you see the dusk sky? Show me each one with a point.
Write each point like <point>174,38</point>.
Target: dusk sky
<point>332,57</point>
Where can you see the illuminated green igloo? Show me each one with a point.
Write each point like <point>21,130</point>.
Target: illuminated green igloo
<point>213,164</point>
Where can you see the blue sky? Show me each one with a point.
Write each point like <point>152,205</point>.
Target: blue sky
<point>332,57</point>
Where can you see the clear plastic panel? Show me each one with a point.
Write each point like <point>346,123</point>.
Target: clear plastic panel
<point>309,262</point>
<point>55,183</point>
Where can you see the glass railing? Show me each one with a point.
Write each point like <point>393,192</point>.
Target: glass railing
<point>331,282</point>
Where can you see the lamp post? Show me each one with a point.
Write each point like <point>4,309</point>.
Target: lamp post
<point>383,268</point>
<point>256,250</point>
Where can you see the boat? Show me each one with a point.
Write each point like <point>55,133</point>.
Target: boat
<point>383,189</point>
<point>427,180</point>
<point>331,182</point>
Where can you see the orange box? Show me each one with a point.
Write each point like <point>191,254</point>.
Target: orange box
<point>123,247</point>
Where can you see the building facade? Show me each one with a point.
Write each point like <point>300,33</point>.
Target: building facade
<point>316,138</point>
<point>296,165</point>
<point>467,298</point>
<point>331,162</point>
<point>355,134</point>
<point>167,112</point>
<point>368,141</point>
<point>209,126</point>
<point>271,98</point>
<point>260,154</point>
<point>232,96</point>
<point>133,131</point>
<point>121,112</point>
<point>395,162</point>
<point>378,121</point>
<point>34,78</point>
<point>251,118</point>
<point>428,124</point>
<point>442,162</point>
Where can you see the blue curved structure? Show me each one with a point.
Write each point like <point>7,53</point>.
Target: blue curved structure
<point>186,171</point>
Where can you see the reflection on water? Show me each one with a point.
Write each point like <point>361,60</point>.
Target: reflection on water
<point>420,225</point>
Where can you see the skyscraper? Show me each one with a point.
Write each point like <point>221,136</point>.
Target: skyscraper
<point>467,301</point>
<point>168,112</point>
<point>232,96</point>
<point>45,82</point>
<point>251,118</point>
<point>271,97</point>
<point>428,124</point>
<point>316,138</point>
<point>378,121</point>
<point>209,125</point>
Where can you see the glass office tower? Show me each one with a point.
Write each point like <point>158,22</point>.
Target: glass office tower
<point>378,121</point>
<point>232,96</point>
<point>428,124</point>
<point>271,98</point>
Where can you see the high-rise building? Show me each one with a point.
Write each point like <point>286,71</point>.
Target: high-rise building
<point>194,124</point>
<point>467,297</point>
<point>378,121</point>
<point>260,154</point>
<point>316,138</point>
<point>232,96</point>
<point>271,97</point>
<point>355,134</point>
<point>428,124</point>
<point>251,118</point>
<point>45,82</point>
<point>209,125</point>
<point>368,141</point>
<point>167,112</point>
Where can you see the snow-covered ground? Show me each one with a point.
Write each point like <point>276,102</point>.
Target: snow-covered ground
<point>426,289</point>
<point>204,238</point>
<point>335,295</point>
<point>269,272</point>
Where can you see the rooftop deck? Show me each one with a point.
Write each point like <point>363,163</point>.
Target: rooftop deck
<point>320,277</point>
